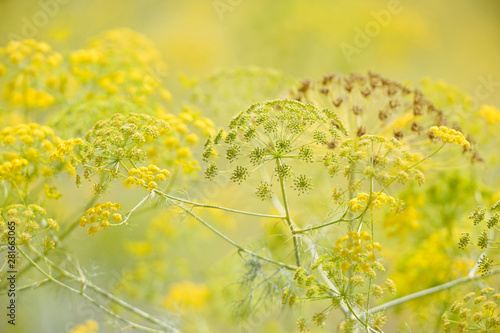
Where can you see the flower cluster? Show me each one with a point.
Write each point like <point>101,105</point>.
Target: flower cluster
<point>187,129</point>
<point>357,253</point>
<point>372,104</point>
<point>372,157</point>
<point>147,176</point>
<point>375,200</point>
<point>113,144</point>
<point>30,221</point>
<point>90,326</point>
<point>34,78</point>
<point>449,135</point>
<point>65,150</point>
<point>25,157</point>
<point>354,261</point>
<point>183,136</point>
<point>274,132</point>
<point>101,216</point>
<point>476,311</point>
<point>491,218</point>
<point>120,63</point>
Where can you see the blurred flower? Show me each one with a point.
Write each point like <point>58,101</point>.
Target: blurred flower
<point>490,113</point>
<point>90,326</point>
<point>186,295</point>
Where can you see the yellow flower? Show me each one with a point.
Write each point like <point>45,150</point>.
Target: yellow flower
<point>183,153</point>
<point>490,113</point>
<point>377,200</point>
<point>98,215</point>
<point>186,295</point>
<point>51,193</point>
<point>171,142</point>
<point>450,135</point>
<point>345,266</point>
<point>140,249</point>
<point>192,138</point>
<point>145,176</point>
<point>90,326</point>
<point>92,230</point>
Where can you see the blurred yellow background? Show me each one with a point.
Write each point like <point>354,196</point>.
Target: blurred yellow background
<point>457,41</point>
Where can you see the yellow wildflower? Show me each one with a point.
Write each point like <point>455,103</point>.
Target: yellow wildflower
<point>98,215</point>
<point>490,113</point>
<point>90,326</point>
<point>377,200</point>
<point>186,295</point>
<point>450,135</point>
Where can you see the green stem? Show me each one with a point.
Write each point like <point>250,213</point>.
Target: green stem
<point>88,298</point>
<point>81,279</point>
<point>289,221</point>
<point>432,290</point>
<point>63,235</point>
<point>216,207</point>
<point>76,221</point>
<point>343,219</point>
<point>365,324</point>
<point>239,247</point>
<point>29,286</point>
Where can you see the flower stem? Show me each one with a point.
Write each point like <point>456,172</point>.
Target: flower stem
<point>289,221</point>
<point>91,300</point>
<point>216,207</point>
<point>432,290</point>
<point>239,247</point>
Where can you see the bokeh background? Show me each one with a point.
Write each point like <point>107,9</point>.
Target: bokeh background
<point>457,42</point>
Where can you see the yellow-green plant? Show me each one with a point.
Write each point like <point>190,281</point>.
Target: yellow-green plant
<point>335,170</point>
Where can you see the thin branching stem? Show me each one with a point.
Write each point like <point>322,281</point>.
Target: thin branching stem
<point>216,207</point>
<point>63,235</point>
<point>230,241</point>
<point>432,290</point>
<point>85,282</point>
<point>296,246</point>
<point>91,300</point>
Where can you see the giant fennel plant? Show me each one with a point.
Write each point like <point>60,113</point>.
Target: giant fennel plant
<point>358,138</point>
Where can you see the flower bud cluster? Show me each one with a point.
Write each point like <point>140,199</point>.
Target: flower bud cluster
<point>101,216</point>
<point>372,104</point>
<point>120,63</point>
<point>375,200</point>
<point>449,135</point>
<point>271,132</point>
<point>357,252</point>
<point>25,154</point>
<point>476,311</point>
<point>30,222</point>
<point>355,258</point>
<point>486,236</point>
<point>147,176</point>
<point>490,113</point>
<point>33,76</point>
